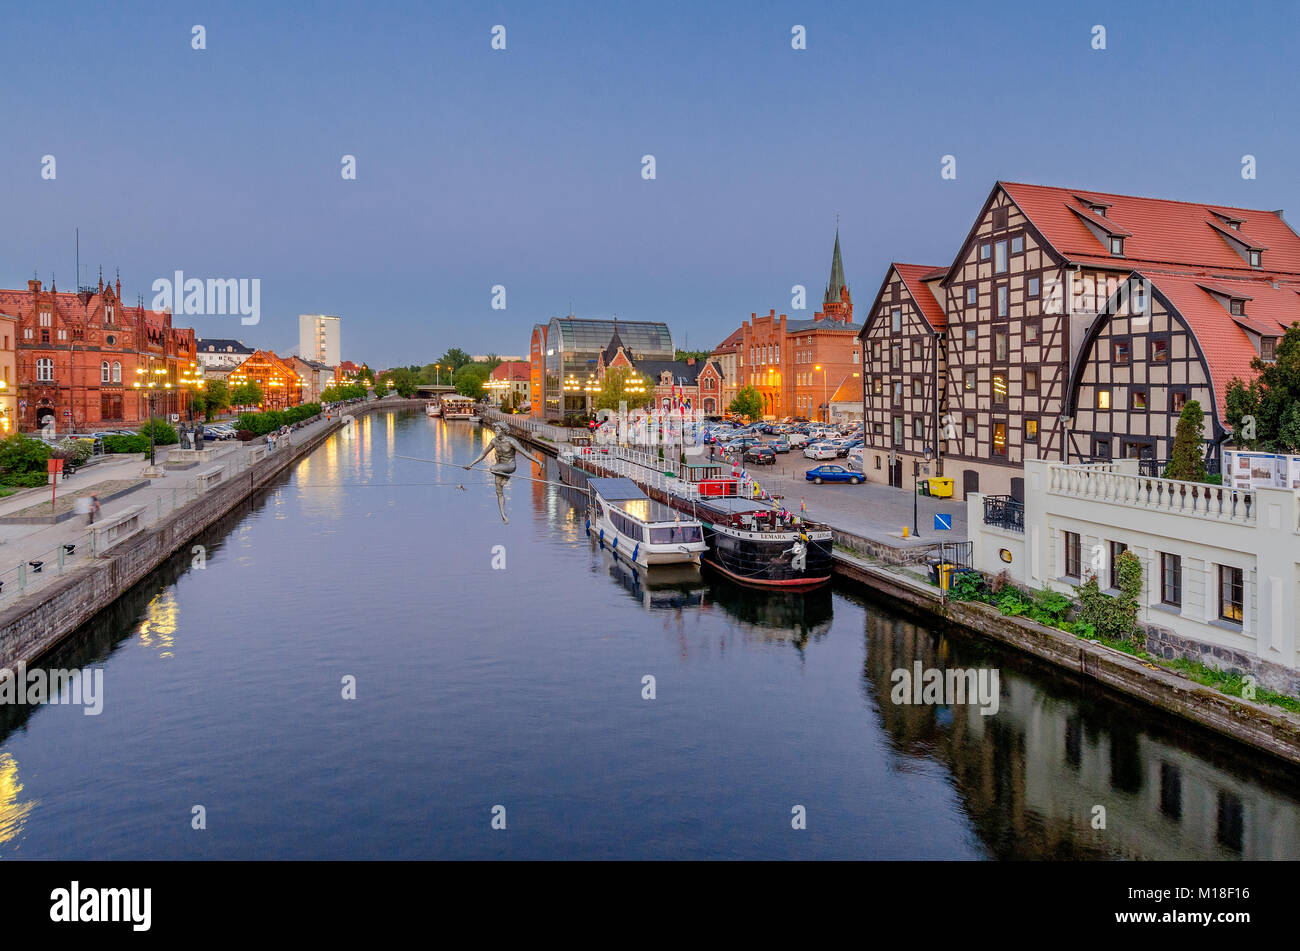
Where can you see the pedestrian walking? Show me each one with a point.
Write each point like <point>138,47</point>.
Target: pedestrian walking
<point>93,509</point>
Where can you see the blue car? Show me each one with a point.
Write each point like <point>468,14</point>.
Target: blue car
<point>820,474</point>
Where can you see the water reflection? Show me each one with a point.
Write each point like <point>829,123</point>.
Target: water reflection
<point>13,812</point>
<point>158,629</point>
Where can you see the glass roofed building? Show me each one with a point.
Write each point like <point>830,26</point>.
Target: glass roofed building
<point>573,349</point>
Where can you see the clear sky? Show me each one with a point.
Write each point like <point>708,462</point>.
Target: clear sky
<point>523,167</point>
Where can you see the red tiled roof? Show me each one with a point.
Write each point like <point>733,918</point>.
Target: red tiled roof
<point>915,276</point>
<point>1227,347</point>
<point>732,341</point>
<point>1158,231</point>
<point>512,370</point>
<point>849,391</point>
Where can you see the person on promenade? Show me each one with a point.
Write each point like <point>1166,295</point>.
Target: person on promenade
<point>94,509</point>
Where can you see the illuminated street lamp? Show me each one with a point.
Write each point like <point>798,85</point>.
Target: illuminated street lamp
<point>826,404</point>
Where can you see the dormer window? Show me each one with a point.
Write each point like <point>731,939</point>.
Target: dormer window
<point>108,316</point>
<point>1268,348</point>
<point>1116,245</point>
<point>1256,258</point>
<point>1237,307</point>
<point>1098,209</point>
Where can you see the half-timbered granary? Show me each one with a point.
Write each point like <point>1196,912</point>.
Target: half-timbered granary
<point>1073,325</point>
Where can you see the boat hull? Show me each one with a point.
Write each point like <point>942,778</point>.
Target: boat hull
<point>768,561</point>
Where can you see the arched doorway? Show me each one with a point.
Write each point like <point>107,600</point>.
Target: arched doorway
<point>44,417</point>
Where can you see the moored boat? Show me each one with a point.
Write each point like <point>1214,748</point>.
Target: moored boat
<point>754,543</point>
<point>640,530</point>
<point>432,408</point>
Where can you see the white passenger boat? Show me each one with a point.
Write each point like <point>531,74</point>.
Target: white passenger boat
<point>433,408</point>
<point>457,407</point>
<point>640,530</point>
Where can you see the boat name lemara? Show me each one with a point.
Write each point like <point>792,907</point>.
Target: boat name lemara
<point>103,905</point>
<point>952,687</point>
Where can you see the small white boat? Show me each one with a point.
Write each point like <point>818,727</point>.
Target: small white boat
<point>640,530</point>
<point>433,408</point>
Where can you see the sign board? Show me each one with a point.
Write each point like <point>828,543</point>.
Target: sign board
<point>22,404</point>
<point>54,465</point>
<point>176,417</point>
<point>1248,470</point>
<point>942,522</point>
<point>67,412</point>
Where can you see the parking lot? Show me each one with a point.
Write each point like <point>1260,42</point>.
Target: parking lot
<point>874,511</point>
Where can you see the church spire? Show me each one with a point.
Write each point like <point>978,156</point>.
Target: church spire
<point>837,273</point>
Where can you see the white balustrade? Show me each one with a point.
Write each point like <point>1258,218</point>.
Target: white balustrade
<point>1100,482</point>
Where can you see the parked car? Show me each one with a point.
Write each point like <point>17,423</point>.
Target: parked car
<point>797,438</point>
<point>760,456</point>
<point>855,459</point>
<point>848,445</point>
<point>822,474</point>
<point>820,451</point>
<point>779,444</point>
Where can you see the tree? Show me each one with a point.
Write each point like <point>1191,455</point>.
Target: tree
<point>1187,458</point>
<point>404,381</point>
<point>217,397</point>
<point>748,402</point>
<point>492,361</point>
<point>1263,406</point>
<point>366,375</point>
<point>469,379</point>
<point>614,390</point>
<point>246,394</point>
<point>454,358</point>
<point>198,401</point>
<point>699,355</point>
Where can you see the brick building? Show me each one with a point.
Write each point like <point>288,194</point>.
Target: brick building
<point>797,364</point>
<point>80,355</point>
<point>685,386</point>
<point>281,385</point>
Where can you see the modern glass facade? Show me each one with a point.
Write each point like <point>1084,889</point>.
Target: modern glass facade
<point>573,348</point>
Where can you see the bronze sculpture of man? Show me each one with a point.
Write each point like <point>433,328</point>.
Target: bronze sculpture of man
<point>505,446</point>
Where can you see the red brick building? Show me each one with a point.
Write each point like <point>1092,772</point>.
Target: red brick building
<point>797,364</point>
<point>281,385</point>
<point>80,355</point>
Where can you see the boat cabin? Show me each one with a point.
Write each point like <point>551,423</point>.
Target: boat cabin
<point>640,518</point>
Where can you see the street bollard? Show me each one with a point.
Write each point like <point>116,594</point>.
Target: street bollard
<point>22,577</point>
<point>60,560</point>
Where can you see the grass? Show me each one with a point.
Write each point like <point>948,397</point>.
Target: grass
<point>7,490</point>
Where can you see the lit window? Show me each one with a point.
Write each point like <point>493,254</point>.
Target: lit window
<point>970,380</point>
<point>1159,350</point>
<point>1231,593</point>
<point>999,439</point>
<point>1103,399</point>
<point>1031,430</point>
<point>1137,399</point>
<point>999,388</point>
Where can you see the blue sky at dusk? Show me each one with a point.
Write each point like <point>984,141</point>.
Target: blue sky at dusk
<point>523,167</point>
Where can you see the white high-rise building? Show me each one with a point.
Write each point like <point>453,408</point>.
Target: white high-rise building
<point>319,339</point>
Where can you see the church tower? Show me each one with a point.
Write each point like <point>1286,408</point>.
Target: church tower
<point>837,305</point>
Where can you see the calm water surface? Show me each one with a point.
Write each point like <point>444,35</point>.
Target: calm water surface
<point>522,687</point>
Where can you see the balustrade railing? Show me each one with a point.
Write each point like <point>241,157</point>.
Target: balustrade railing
<point>1003,511</point>
<point>1196,499</point>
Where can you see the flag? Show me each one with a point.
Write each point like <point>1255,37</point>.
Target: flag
<point>803,506</point>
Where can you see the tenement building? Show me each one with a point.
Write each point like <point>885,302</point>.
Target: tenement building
<point>80,355</point>
<point>1072,326</point>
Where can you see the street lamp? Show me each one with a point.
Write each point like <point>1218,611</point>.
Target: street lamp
<point>826,406</point>
<point>437,374</point>
<point>916,490</point>
<point>150,386</point>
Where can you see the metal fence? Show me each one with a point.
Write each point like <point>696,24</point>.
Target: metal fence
<point>1003,511</point>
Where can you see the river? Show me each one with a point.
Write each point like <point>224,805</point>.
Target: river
<point>504,666</point>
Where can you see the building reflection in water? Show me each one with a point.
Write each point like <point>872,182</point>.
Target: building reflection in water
<point>158,629</point>
<point>13,812</point>
<point>1031,774</point>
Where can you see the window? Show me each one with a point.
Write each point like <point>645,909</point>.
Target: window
<point>1031,331</point>
<point>972,335</point>
<point>1268,348</point>
<point>45,318</point>
<point>1116,549</point>
<point>1256,259</point>
<point>916,386</point>
<point>898,392</point>
<point>110,406</point>
<point>999,389</point>
<point>970,380</point>
<point>1032,286</point>
<point>918,429</point>
<point>1171,579</point>
<point>877,457</point>
<point>876,386</point>
<point>1177,400</point>
<point>1119,351</point>
<point>45,335</point>
<point>878,429</point>
<point>110,339</point>
<point>916,350</point>
<point>1231,597</point>
<point>1072,555</point>
<point>45,369</point>
<point>1000,258</point>
<point>1159,350</point>
<point>970,425</point>
<point>1237,307</point>
<point>1018,244</point>
<point>1103,399</point>
<point>1116,245</point>
<point>108,316</point>
<point>999,439</point>
<point>1137,399</point>
<point>897,320</point>
<point>972,295</point>
<point>1002,300</point>
<point>896,356</point>
<point>1031,380</point>
<point>117,372</point>
<point>1000,346</point>
<point>898,430</point>
<point>985,251</point>
<point>1101,448</point>
<point>875,350</point>
<point>104,372</point>
<point>1031,430</point>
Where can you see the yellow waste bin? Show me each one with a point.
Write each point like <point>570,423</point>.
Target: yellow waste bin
<point>940,487</point>
<point>945,575</point>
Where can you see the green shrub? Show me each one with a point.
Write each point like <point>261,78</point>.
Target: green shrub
<point>1108,616</point>
<point>78,450</point>
<point>19,454</point>
<point>164,433</point>
<point>24,479</point>
<point>967,586</point>
<point>1051,608</point>
<point>116,444</point>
